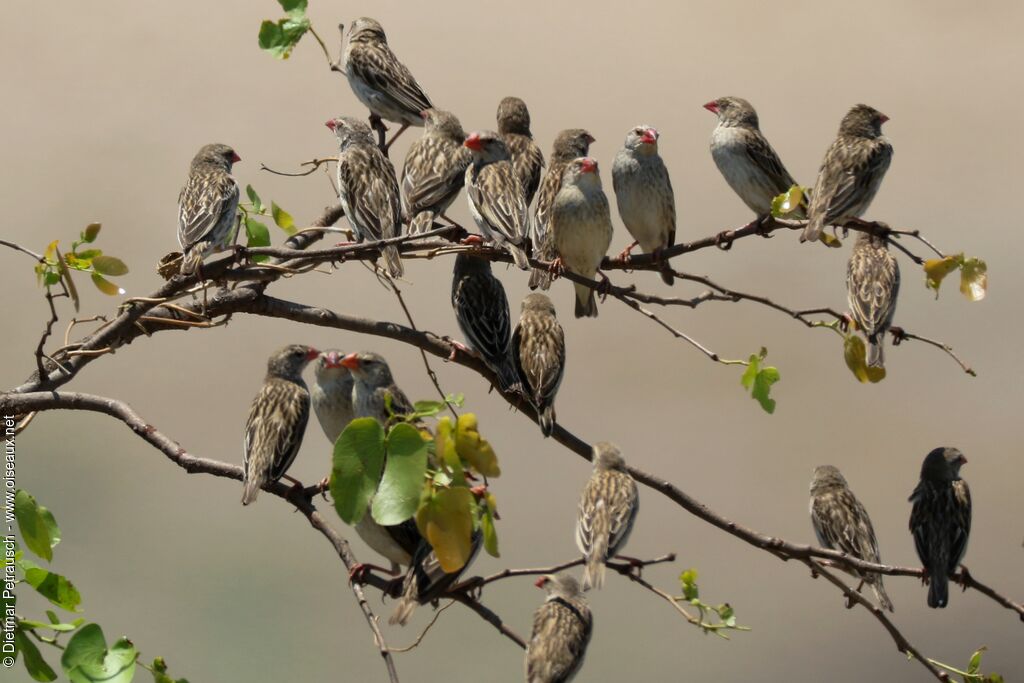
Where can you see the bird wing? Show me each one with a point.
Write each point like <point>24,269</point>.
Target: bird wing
<point>540,359</point>
<point>202,204</point>
<point>276,425</point>
<point>919,521</point>
<point>623,506</point>
<point>761,154</point>
<point>406,535</point>
<point>961,513</point>
<point>498,198</point>
<point>368,180</point>
<point>528,162</point>
<point>561,631</point>
<point>842,523</point>
<point>872,283</point>
<point>858,171</point>
<point>482,312</point>
<point>378,66</point>
<point>437,183</point>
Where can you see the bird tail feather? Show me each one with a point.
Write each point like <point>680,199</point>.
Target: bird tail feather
<point>540,278</point>
<point>251,490</point>
<point>667,276</point>
<point>938,589</point>
<point>881,595</point>
<point>393,261</point>
<point>876,356</point>
<point>586,304</point>
<point>593,574</point>
<point>421,222</point>
<point>815,224</point>
<point>192,259</point>
<point>409,602</point>
<point>547,421</point>
<point>519,256</point>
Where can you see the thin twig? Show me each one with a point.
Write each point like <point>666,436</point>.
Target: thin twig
<point>18,247</point>
<point>419,638</point>
<point>314,164</point>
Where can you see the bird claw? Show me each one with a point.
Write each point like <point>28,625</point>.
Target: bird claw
<point>473,240</point>
<point>898,335</point>
<point>964,578</point>
<point>724,239</point>
<point>324,486</point>
<point>456,347</point>
<point>358,573</point>
<point>605,288</point>
<point>556,268</point>
<point>625,256</point>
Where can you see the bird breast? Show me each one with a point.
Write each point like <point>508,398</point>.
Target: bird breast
<point>729,150</point>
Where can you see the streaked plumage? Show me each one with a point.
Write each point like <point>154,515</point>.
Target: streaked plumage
<point>496,199</point>
<point>742,153</point>
<point>581,225</point>
<point>872,286</point>
<point>207,206</point>
<point>527,159</point>
<point>570,144</point>
<point>841,523</point>
<point>481,309</point>
<point>538,351</point>
<point>643,193</point>
<point>375,388</point>
<point>941,519</point>
<point>561,632</point>
<point>607,511</point>
<point>426,581</point>
<point>367,188</point>
<point>851,173</point>
<point>434,170</point>
<point>277,420</point>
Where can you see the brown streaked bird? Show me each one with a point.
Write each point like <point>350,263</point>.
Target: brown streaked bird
<point>872,286</point>
<point>481,310</point>
<point>375,389</point>
<point>570,144</point>
<point>561,631</point>
<point>538,351</point>
<point>277,420</point>
<point>434,170</point>
<point>940,520</point>
<point>746,159</point>
<point>841,523</point>
<point>851,173</point>
<point>380,81</point>
<point>207,206</point>
<point>367,188</point>
<point>426,581</point>
<point>527,159</point>
<point>496,199</point>
<point>607,512</point>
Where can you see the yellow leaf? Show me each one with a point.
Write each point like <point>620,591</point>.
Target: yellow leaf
<point>875,375</point>
<point>473,448</point>
<point>938,268</point>
<point>856,357</point>
<point>444,448</point>
<point>446,520</point>
<point>830,240</point>
<point>51,250</point>
<point>974,279</point>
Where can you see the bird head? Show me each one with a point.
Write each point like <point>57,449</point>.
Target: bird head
<point>366,30</point>
<point>862,121</point>
<point>642,139</point>
<point>288,362</point>
<point>943,465</point>
<point>216,154</point>
<point>369,368</point>
<point>350,129</point>
<point>607,456</point>
<point>486,146</point>
<point>513,116</point>
<point>571,144</point>
<point>733,111</point>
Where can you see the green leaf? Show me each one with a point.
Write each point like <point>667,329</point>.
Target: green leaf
<point>283,219</point>
<point>689,581</point>
<point>488,511</point>
<point>974,279</point>
<point>357,469</point>
<point>68,282</point>
<point>86,255</point>
<point>52,586</point>
<point>105,285</point>
<point>37,667</point>
<point>37,526</point>
<point>280,38</point>
<point>473,448</point>
<point>936,269</point>
<point>257,235</point>
<point>446,521</point>
<point>257,204</point>
<point>51,278</point>
<point>56,625</point>
<point>398,495</point>
<point>975,664</point>
<point>788,202</point>
<point>294,6</point>
<point>87,659</point>
<point>109,265</point>
<point>759,380</point>
<point>90,232</point>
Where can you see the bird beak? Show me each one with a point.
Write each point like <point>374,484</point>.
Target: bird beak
<point>712,107</point>
<point>540,583</point>
<point>425,114</point>
<point>351,361</point>
<point>963,459</point>
<point>590,139</point>
<point>235,158</point>
<point>312,353</point>
<point>473,142</point>
<point>588,166</point>
<point>332,359</point>
<point>332,124</point>
<point>882,117</point>
<point>650,136</point>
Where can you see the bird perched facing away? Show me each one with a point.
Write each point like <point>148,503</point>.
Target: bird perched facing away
<point>644,195</point>
<point>527,159</point>
<point>207,206</point>
<point>538,351</point>
<point>561,632</point>
<point>481,309</point>
<point>367,188</point>
<point>570,144</point>
<point>496,198</point>
<point>581,225</point>
<point>742,153</point>
<point>940,519</point>
<point>379,80</point>
<point>375,388</point>
<point>607,511</point>
<point>851,173</point>
<point>277,420</point>
<point>434,171</point>
<point>426,581</point>
<point>872,285</point>
<point>841,523</point>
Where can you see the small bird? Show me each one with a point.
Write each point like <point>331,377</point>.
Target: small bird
<point>581,225</point>
<point>207,206</point>
<point>375,389</point>
<point>851,173</point>
<point>742,153</point>
<point>872,285</point>
<point>514,129</point>
<point>367,188</point>
<point>434,170</point>
<point>940,520</point>
<point>496,198</point>
<point>570,144</point>
<point>644,195</point>
<point>607,511</point>
<point>277,420</point>
<point>380,81</point>
<point>426,581</point>
<point>538,351</point>
<point>561,631</point>
<point>841,523</point>
<point>481,309</point>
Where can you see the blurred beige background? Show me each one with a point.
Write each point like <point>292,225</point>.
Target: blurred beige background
<point>106,106</point>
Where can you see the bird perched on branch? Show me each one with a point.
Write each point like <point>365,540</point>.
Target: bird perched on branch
<point>581,225</point>
<point>841,523</point>
<point>851,173</point>
<point>426,580</point>
<point>538,351</point>
<point>527,159</point>
<point>872,285</point>
<point>607,512</point>
<point>375,393</point>
<point>277,420</point>
<point>561,631</point>
<point>367,188</point>
<point>570,144</point>
<point>940,520</point>
<point>742,153</point>
<point>434,171</point>
<point>207,206</point>
<point>644,195</point>
<point>380,81</point>
<point>496,198</point>
<point>481,309</point>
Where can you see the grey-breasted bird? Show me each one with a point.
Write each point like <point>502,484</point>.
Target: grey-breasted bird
<point>872,286</point>
<point>496,199</point>
<point>538,351</point>
<point>277,420</point>
<point>375,389</point>
<point>434,170</point>
<point>940,519</point>
<point>481,310</point>
<point>207,206</point>
<point>607,512</point>
<point>527,159</point>
<point>562,626</point>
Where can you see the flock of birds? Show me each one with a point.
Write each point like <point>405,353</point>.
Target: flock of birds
<point>502,172</point>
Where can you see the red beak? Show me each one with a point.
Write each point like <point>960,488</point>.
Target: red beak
<point>351,361</point>
<point>712,107</point>
<point>588,165</point>
<point>312,353</point>
<point>539,583</point>
<point>882,117</point>
<point>650,136</point>
<point>235,158</point>
<point>332,359</point>
<point>473,142</point>
<point>331,124</point>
